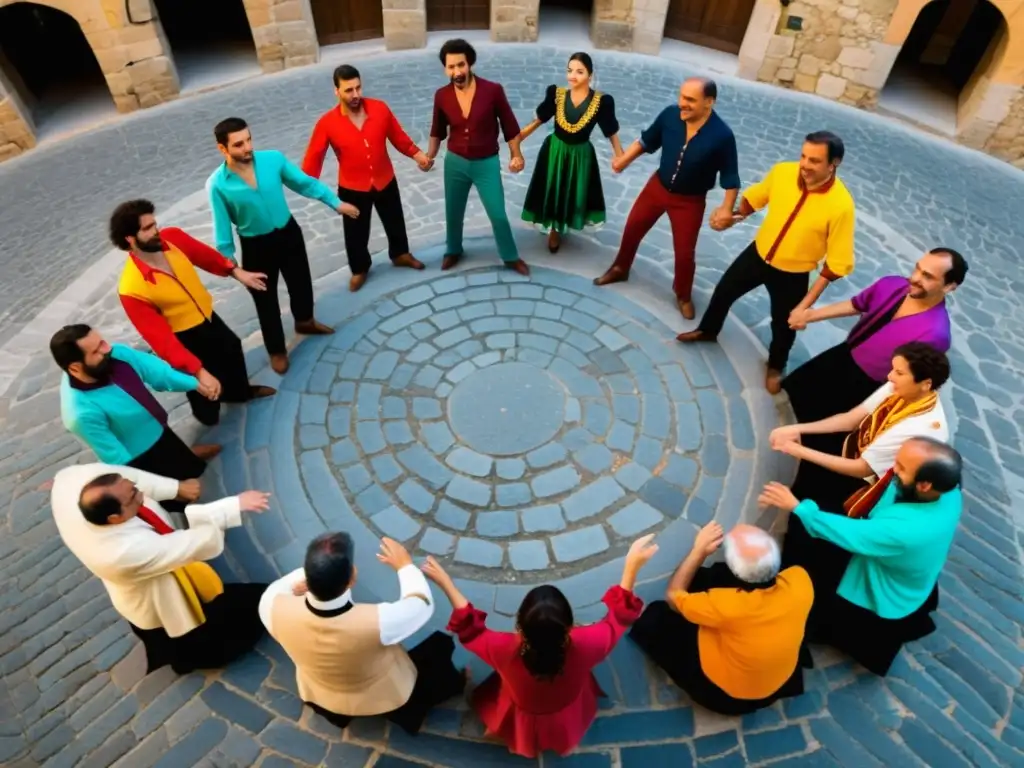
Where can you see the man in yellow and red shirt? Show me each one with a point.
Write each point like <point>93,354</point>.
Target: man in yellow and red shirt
<point>810,219</point>
<point>358,130</point>
<point>171,309</point>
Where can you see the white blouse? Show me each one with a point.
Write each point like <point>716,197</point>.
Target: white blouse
<point>881,452</point>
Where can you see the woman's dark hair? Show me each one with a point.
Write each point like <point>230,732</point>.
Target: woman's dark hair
<point>544,620</point>
<point>585,60</point>
<point>836,148</point>
<point>458,47</point>
<point>925,362</point>
<point>124,221</point>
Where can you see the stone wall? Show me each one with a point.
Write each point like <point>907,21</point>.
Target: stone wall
<point>283,32</point>
<point>1007,141</point>
<point>612,24</point>
<point>514,21</point>
<point>648,25</point>
<point>405,24</point>
<point>17,133</point>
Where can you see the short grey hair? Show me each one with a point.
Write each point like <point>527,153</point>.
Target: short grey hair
<point>757,568</point>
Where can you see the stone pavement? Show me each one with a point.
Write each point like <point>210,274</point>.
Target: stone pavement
<point>393,426</point>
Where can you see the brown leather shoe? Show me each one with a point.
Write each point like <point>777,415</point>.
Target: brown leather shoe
<point>689,337</point>
<point>773,381</point>
<point>613,275</point>
<point>450,260</point>
<point>279,363</point>
<point>554,241</point>
<point>313,328</point>
<point>357,281</point>
<point>686,309</point>
<point>258,391</point>
<point>519,266</point>
<point>206,452</point>
<point>407,260</point>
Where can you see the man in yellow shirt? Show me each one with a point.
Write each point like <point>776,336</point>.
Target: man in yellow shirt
<point>810,219</point>
<point>730,635</point>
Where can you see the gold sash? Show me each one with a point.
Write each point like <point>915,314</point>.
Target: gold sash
<point>201,584</point>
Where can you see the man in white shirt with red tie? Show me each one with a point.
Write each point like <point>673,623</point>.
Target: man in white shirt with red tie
<point>349,661</point>
<point>111,519</point>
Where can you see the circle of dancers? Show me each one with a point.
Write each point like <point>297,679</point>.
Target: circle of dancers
<point>871,514</point>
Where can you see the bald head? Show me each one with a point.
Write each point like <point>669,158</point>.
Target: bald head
<point>696,98</point>
<point>751,554</point>
<point>926,468</point>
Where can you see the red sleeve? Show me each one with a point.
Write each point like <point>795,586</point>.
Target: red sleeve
<point>200,254</point>
<point>316,150</point>
<point>439,125</point>
<point>507,118</point>
<point>156,331</point>
<point>399,138</point>
<point>468,624</point>
<point>595,642</point>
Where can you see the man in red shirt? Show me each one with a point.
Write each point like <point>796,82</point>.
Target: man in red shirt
<point>467,113</point>
<point>358,131</point>
<point>171,309</point>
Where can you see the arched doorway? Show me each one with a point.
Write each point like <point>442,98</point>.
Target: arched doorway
<point>566,23</point>
<point>952,48</point>
<point>52,69</point>
<point>452,15</point>
<point>211,42</point>
<point>717,24</point>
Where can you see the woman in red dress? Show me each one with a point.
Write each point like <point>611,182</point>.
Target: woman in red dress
<point>543,694</point>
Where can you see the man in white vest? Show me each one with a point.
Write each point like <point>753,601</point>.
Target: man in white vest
<point>349,661</point>
<point>111,519</point>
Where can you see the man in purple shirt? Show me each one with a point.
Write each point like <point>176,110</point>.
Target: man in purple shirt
<point>468,112</point>
<point>893,311</point>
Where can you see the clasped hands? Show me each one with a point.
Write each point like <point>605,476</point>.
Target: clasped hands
<point>722,218</point>
<point>785,440</point>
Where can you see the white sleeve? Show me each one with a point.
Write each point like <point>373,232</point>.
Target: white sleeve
<point>404,618</point>
<point>876,398</point>
<point>881,452</point>
<point>282,586</point>
<point>225,513</point>
<point>157,487</point>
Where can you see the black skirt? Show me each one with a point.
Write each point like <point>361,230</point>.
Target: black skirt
<point>828,384</point>
<point>437,680</point>
<point>170,457</point>
<point>231,629</point>
<point>670,641</point>
<point>220,352</point>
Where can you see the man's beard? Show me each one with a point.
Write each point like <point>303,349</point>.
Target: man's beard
<point>461,79</point>
<point>101,370</point>
<point>153,245</point>
<point>243,158</point>
<point>354,106</point>
<point>905,493</point>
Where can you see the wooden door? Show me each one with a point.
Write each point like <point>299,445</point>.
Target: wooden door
<point>718,24</point>
<point>345,21</point>
<point>445,15</point>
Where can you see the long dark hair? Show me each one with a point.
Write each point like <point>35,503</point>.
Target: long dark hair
<point>544,621</point>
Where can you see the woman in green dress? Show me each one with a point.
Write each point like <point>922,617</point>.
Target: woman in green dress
<point>565,190</point>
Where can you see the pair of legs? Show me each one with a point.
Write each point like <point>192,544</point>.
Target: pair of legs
<point>388,204</point>
<point>220,352</point>
<point>170,457</point>
<point>461,175</point>
<point>437,680</point>
<point>685,215</point>
<point>281,253</point>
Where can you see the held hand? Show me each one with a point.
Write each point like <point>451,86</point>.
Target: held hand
<point>619,164</point>
<point>394,554</point>
<point>516,164</point>
<point>799,318</point>
<point>709,538</point>
<point>189,490</point>
<point>425,163</point>
<point>779,496</point>
<point>433,571</point>
<point>208,387</point>
<point>640,552</point>
<point>790,448</point>
<point>347,209</point>
<point>782,435</point>
<point>254,501</point>
<point>300,588</point>
<point>254,281</point>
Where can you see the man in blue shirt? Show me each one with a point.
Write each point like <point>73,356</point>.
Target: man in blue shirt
<point>894,555</point>
<point>247,191</point>
<point>694,131</point>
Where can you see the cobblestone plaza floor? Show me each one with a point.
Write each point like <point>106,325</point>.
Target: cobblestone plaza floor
<point>522,429</point>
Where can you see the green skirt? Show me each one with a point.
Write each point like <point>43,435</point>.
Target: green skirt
<point>565,190</point>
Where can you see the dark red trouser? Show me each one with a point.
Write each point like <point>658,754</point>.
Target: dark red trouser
<point>685,214</point>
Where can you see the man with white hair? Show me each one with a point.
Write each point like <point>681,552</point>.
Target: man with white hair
<point>730,635</point>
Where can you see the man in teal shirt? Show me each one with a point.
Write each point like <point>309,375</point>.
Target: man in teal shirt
<point>896,553</point>
<point>247,193</point>
<point>105,401</point>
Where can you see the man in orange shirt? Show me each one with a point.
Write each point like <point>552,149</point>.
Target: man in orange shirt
<point>731,635</point>
<point>358,131</point>
<point>171,309</point>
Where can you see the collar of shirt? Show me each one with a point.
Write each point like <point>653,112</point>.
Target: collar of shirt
<point>117,371</point>
<point>817,190</point>
<point>147,270</point>
<point>329,605</point>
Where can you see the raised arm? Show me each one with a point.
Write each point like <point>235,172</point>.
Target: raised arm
<point>841,422</point>
<point>872,538</point>
<point>156,373</point>
<point>466,622</point>
<point>283,586</point>
<point>405,617</point>
<point>302,184</point>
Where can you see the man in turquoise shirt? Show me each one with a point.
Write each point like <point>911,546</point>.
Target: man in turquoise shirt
<point>105,401</point>
<point>890,586</point>
<point>247,193</point>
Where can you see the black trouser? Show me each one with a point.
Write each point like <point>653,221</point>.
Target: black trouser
<point>388,202</point>
<point>785,289</point>
<point>220,352</point>
<point>170,457</point>
<point>281,252</point>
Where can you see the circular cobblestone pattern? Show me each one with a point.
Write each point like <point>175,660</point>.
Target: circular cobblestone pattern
<point>518,426</point>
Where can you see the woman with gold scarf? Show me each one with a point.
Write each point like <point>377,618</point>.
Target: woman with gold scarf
<point>846,460</point>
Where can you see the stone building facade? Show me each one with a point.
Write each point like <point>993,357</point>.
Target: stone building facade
<point>843,50</point>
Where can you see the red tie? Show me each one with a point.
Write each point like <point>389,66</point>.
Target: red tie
<point>149,516</point>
